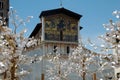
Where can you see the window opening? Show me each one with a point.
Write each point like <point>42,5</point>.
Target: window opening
<point>55,49</point>
<point>68,49</point>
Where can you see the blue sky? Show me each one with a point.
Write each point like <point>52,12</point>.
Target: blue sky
<point>95,13</point>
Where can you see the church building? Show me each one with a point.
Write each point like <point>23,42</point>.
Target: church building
<point>58,31</point>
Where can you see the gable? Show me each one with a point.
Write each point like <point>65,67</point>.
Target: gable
<point>58,11</point>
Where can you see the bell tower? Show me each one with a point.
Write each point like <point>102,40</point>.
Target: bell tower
<point>4,9</point>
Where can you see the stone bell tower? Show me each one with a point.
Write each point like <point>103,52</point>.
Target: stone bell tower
<point>4,8</point>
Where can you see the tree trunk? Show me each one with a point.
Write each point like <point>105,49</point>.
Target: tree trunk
<point>94,76</point>
<point>42,76</point>
<point>13,69</point>
<point>83,66</point>
<point>84,75</point>
<point>5,75</point>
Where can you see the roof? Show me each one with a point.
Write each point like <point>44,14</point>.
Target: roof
<point>36,29</point>
<point>60,10</point>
